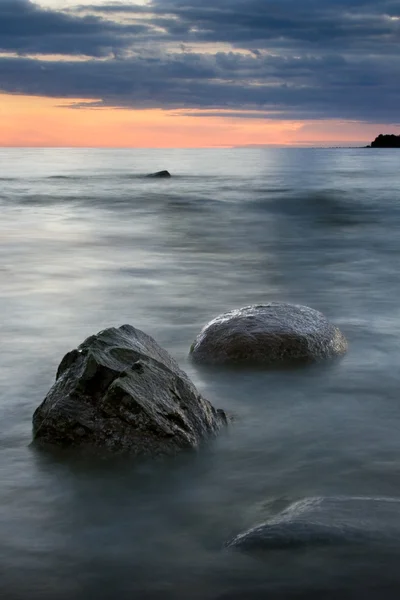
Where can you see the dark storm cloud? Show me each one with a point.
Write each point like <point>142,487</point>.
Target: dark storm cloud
<point>190,81</point>
<point>285,23</point>
<point>310,59</point>
<point>25,28</point>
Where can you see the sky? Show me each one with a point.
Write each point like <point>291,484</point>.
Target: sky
<point>198,73</point>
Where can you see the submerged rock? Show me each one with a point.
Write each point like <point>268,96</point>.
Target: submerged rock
<point>268,334</point>
<point>325,521</point>
<point>160,174</point>
<point>121,391</point>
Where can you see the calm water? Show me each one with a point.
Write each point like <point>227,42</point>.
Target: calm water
<point>87,243</point>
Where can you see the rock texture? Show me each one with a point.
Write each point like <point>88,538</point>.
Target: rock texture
<point>325,521</point>
<point>121,391</point>
<point>268,334</point>
<point>160,174</point>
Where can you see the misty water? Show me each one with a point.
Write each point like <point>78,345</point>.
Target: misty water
<point>87,242</point>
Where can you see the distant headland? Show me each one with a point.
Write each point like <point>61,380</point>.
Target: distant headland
<point>386,141</point>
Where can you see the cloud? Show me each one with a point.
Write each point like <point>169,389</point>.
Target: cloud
<point>26,28</point>
<point>283,23</point>
<point>313,59</point>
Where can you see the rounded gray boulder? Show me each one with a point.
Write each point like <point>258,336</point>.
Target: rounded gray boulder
<point>325,521</point>
<point>268,334</point>
<point>119,390</point>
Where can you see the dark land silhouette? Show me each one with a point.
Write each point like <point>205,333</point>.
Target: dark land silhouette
<point>386,141</point>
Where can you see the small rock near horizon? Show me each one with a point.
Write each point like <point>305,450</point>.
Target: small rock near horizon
<point>160,174</point>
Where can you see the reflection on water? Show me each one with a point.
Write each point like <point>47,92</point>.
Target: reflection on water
<point>86,242</point>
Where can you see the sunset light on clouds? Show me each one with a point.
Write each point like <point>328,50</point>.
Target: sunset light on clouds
<point>177,73</point>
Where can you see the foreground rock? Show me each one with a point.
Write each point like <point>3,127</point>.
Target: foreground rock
<point>160,174</point>
<point>121,391</point>
<point>268,334</point>
<point>325,521</point>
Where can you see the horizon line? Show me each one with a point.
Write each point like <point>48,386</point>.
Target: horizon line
<point>222,147</point>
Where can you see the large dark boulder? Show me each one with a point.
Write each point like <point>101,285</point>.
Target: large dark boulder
<point>160,174</point>
<point>120,390</point>
<point>268,334</point>
<point>325,521</point>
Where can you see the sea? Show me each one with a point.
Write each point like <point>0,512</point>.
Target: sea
<point>87,242</point>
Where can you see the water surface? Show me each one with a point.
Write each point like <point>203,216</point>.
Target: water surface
<point>87,242</point>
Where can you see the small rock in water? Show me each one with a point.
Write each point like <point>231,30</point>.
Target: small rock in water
<point>160,174</point>
<point>325,521</point>
<point>120,391</point>
<point>268,334</point>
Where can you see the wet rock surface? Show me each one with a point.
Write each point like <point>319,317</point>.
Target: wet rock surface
<point>120,391</point>
<point>325,521</point>
<point>267,335</point>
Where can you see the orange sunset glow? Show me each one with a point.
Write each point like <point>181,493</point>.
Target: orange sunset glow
<point>52,122</point>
